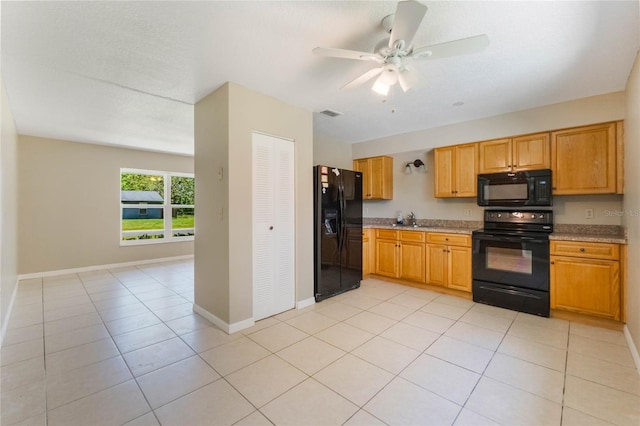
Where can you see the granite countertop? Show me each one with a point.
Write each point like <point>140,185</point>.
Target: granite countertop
<point>589,233</point>
<point>562,232</point>
<point>448,230</point>
<point>618,238</point>
<point>427,225</point>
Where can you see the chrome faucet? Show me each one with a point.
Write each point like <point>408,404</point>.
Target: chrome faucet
<point>412,219</point>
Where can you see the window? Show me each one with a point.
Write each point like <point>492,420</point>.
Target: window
<point>156,206</point>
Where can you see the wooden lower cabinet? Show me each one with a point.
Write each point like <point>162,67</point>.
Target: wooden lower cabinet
<point>459,268</point>
<point>400,254</point>
<point>585,278</point>
<point>412,261</point>
<point>387,255</point>
<point>447,265</point>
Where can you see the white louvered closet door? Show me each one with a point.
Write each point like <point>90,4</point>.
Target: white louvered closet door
<point>273,226</point>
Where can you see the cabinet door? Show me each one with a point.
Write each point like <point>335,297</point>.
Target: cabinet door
<point>583,160</point>
<point>459,268</point>
<point>376,167</point>
<point>366,252</point>
<point>444,174</point>
<point>412,257</point>
<point>531,152</point>
<point>387,258</point>
<point>466,170</point>
<point>362,165</point>
<point>495,156</point>
<point>437,264</point>
<point>586,286</point>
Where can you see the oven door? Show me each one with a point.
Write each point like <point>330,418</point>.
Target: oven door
<point>514,260</point>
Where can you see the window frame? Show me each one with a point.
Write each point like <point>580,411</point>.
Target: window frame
<point>167,208</point>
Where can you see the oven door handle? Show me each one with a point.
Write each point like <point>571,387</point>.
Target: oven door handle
<point>514,239</point>
<point>511,292</point>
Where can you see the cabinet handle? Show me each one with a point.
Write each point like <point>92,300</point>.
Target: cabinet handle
<point>582,249</point>
<point>271,228</point>
<point>552,262</point>
<point>446,239</point>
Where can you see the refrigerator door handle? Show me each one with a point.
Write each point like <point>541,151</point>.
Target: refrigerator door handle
<point>339,220</point>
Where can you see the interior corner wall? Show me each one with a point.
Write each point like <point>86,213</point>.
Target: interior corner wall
<point>69,204</point>
<point>211,265</point>
<point>8,210</point>
<point>331,152</point>
<point>249,112</point>
<point>631,203</point>
<point>225,122</point>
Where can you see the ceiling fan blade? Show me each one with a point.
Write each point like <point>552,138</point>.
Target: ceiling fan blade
<point>347,54</point>
<point>406,21</point>
<point>363,78</point>
<point>408,78</point>
<point>464,46</point>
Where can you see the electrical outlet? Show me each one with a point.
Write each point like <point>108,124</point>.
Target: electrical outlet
<point>467,212</point>
<point>588,213</point>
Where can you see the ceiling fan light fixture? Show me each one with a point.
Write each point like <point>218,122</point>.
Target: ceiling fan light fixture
<point>380,88</point>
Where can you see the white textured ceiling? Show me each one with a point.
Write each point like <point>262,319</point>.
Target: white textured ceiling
<point>129,73</point>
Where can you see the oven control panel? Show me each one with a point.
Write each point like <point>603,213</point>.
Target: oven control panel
<point>543,217</point>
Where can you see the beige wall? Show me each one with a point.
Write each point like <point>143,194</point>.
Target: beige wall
<point>415,192</point>
<point>8,209</point>
<point>69,204</point>
<point>595,109</point>
<point>331,152</point>
<point>632,201</point>
<point>211,136</point>
<point>249,111</point>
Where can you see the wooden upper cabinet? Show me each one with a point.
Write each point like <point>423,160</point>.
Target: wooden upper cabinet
<point>495,156</point>
<point>528,152</point>
<point>445,173</point>
<point>377,182</point>
<point>456,171</point>
<point>466,170</point>
<point>531,152</point>
<point>584,160</point>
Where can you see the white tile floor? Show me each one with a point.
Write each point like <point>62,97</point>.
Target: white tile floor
<point>124,347</point>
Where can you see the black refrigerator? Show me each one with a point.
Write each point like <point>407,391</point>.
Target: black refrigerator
<point>337,234</point>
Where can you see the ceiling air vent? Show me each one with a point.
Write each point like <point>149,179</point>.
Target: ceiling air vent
<point>331,113</point>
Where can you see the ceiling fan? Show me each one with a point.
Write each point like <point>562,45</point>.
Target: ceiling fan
<point>393,55</point>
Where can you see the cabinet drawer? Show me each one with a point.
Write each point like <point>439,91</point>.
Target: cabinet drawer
<point>387,234</point>
<point>449,239</point>
<point>585,249</point>
<point>416,236</point>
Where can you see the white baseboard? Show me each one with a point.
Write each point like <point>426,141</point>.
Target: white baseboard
<point>223,325</point>
<point>7,315</point>
<point>632,347</point>
<point>98,267</point>
<point>306,302</point>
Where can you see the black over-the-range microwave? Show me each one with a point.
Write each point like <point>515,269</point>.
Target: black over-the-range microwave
<point>527,188</point>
